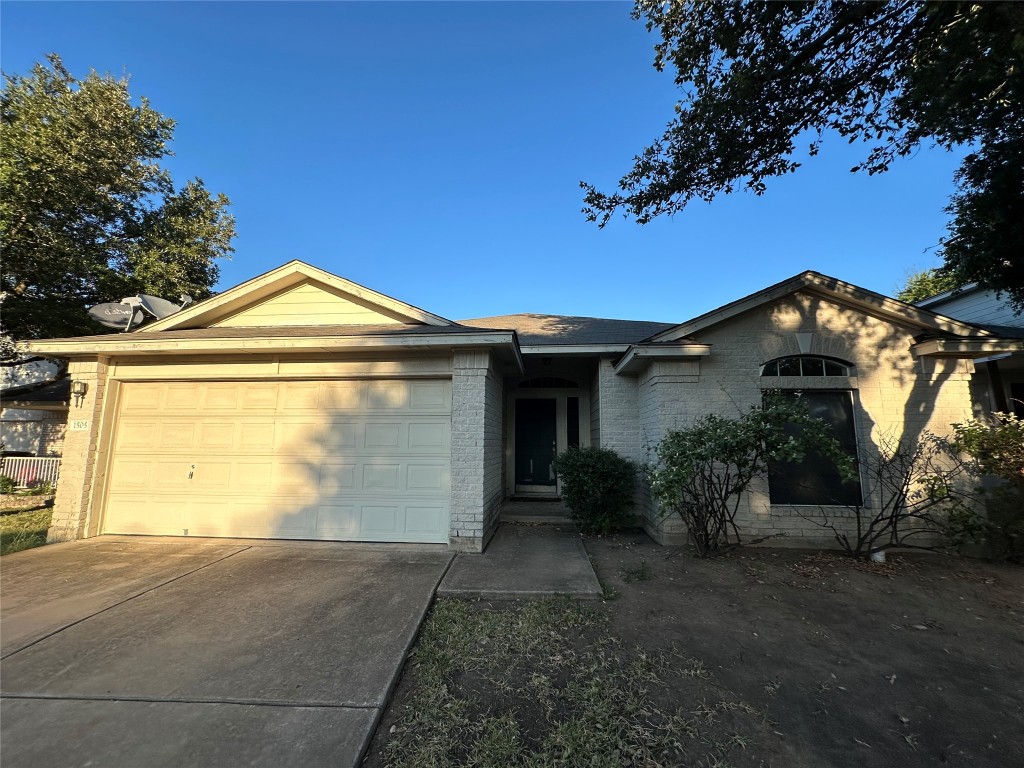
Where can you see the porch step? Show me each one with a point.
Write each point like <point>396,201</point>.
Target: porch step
<point>547,511</point>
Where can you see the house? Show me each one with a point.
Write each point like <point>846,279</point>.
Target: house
<point>998,384</point>
<point>300,405</point>
<point>33,408</point>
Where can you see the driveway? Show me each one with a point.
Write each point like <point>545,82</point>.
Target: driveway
<point>129,651</point>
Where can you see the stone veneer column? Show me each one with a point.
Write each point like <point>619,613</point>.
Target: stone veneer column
<point>476,467</point>
<point>76,484</point>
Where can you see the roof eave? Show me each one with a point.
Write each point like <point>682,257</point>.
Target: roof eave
<point>122,344</point>
<point>966,348</point>
<point>638,356</point>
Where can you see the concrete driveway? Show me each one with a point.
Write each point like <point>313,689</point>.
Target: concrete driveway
<point>128,651</point>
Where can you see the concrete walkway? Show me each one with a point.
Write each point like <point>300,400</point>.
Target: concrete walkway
<point>525,561</point>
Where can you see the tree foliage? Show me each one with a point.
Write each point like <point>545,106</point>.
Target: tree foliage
<point>762,78</point>
<point>997,445</point>
<point>927,283</point>
<point>87,212</point>
<point>701,472</point>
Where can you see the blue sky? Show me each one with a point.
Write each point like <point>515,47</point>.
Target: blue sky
<point>432,151</point>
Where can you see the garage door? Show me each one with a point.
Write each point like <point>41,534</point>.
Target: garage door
<point>339,460</point>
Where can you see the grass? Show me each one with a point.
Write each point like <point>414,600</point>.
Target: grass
<point>544,683</point>
<point>23,530</point>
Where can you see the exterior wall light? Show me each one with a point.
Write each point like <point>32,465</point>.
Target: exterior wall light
<point>78,389</point>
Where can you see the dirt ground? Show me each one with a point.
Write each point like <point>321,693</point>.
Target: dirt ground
<point>762,657</point>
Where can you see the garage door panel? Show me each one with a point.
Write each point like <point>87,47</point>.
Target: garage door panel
<point>387,396</point>
<point>177,434</point>
<point>181,397</point>
<point>430,396</point>
<point>342,396</point>
<point>130,475</point>
<point>294,477</point>
<point>431,520</point>
<point>137,433</point>
<point>142,397</point>
<point>336,521</point>
<point>433,478</point>
<point>260,396</point>
<point>141,514</point>
<point>302,396</point>
<point>382,435</point>
<point>251,476</point>
<point>433,436</point>
<point>266,459</point>
<point>256,435</point>
<point>218,397</point>
<point>336,477</point>
<point>379,520</point>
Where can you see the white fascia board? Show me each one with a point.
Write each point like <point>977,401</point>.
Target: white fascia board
<point>966,348</point>
<point>635,358</point>
<point>575,349</point>
<point>127,344</point>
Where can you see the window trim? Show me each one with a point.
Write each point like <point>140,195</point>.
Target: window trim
<point>847,371</point>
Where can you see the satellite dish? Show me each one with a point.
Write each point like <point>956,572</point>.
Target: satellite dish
<point>115,314</point>
<point>157,307</point>
<point>131,311</point>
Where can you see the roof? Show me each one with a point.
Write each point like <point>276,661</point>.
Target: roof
<point>540,330</point>
<point>1005,331</point>
<point>833,289</point>
<point>43,392</point>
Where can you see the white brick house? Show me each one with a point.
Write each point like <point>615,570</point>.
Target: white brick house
<point>301,405</point>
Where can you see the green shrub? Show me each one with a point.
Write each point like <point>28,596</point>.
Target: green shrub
<point>7,484</point>
<point>997,445</point>
<point>597,487</point>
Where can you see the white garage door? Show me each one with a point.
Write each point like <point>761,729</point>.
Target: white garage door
<point>341,460</point>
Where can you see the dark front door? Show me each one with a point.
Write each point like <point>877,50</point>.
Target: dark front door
<point>536,442</point>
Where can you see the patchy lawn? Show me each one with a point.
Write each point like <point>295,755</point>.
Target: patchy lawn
<point>759,658</point>
<point>24,530</point>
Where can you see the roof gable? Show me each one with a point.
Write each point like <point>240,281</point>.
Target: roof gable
<point>847,294</point>
<point>296,294</point>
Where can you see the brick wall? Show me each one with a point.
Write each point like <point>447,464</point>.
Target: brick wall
<point>896,395</point>
<point>51,434</point>
<point>477,450</point>
<point>74,500</point>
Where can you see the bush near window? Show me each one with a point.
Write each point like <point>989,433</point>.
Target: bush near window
<point>917,494</point>
<point>701,472</point>
<point>597,487</point>
<point>997,445</point>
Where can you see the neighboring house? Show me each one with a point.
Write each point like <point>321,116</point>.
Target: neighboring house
<point>300,405</point>
<point>33,408</point>
<point>998,383</point>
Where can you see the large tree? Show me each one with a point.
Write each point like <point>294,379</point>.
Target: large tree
<point>762,79</point>
<point>87,214</point>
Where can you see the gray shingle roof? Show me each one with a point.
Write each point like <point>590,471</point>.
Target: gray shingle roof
<point>536,330</point>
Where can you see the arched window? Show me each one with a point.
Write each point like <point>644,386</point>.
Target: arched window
<point>806,365</point>
<point>548,382</point>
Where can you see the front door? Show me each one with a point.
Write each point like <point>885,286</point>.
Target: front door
<point>536,442</point>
